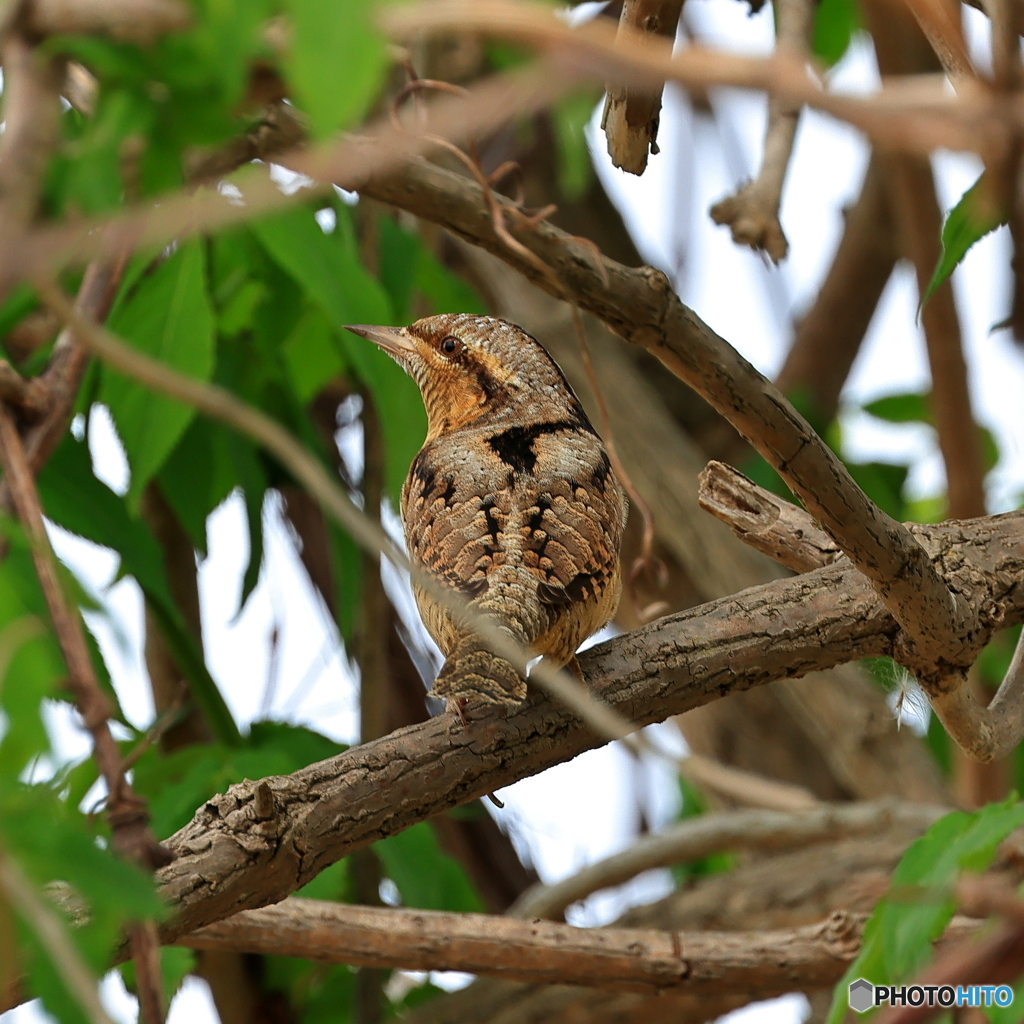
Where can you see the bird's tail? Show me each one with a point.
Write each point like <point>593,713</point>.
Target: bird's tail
<point>472,672</point>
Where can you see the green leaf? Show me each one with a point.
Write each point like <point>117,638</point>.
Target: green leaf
<point>973,217</point>
<point>311,353</point>
<point>175,785</point>
<point>336,60</point>
<point>78,501</point>
<point>327,267</point>
<point>569,117</point>
<point>169,317</point>
<point>427,878</point>
<point>898,937</point>
<point>197,476</point>
<point>909,407</point>
<point>835,22</point>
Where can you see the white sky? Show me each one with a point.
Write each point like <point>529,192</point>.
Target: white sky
<point>587,809</point>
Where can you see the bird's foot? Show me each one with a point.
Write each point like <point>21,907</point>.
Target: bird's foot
<point>458,704</point>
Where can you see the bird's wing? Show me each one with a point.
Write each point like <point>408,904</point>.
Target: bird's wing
<point>571,539</point>
<point>451,530</point>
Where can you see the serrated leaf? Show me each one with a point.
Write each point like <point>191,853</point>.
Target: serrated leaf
<point>898,937</point>
<point>336,60</point>
<point>973,217</point>
<point>169,318</point>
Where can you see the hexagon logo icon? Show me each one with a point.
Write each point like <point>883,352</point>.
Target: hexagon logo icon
<point>862,995</point>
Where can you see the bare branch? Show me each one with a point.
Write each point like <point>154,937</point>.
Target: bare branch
<point>230,859</point>
<point>746,788</point>
<point>631,116</point>
<point>615,959</point>
<point>912,114</point>
<point>764,520</point>
<point>712,833</point>
<point>141,20</point>
<point>753,212</point>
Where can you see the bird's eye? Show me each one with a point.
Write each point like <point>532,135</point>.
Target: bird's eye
<point>450,345</point>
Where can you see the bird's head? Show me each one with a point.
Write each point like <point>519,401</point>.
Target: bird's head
<point>468,367</point>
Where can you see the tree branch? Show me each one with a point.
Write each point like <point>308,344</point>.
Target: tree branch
<point>630,119</point>
<point>129,819</point>
<point>232,857</point>
<point>764,520</point>
<point>753,212</point>
<point>540,952</point>
<point>729,830</point>
<point>640,306</point>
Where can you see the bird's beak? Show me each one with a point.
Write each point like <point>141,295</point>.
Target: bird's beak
<point>392,339</point>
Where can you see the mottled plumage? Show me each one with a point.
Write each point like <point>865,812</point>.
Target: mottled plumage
<point>511,500</point>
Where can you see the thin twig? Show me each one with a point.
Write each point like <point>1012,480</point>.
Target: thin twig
<point>752,213</point>
<point>748,789</point>
<point>712,833</point>
<point>52,933</point>
<point>945,34</point>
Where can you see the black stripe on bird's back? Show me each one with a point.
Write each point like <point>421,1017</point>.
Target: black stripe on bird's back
<point>515,446</point>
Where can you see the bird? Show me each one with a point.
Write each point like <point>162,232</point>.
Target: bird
<point>512,501</point>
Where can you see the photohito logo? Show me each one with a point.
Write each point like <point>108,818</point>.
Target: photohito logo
<point>864,996</point>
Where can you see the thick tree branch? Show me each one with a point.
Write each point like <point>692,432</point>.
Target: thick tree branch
<point>615,959</point>
<point>699,837</point>
<point>235,855</point>
<point>631,116</point>
<point>640,305</point>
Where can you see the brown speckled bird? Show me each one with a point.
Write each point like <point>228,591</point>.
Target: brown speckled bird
<point>511,500</point>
